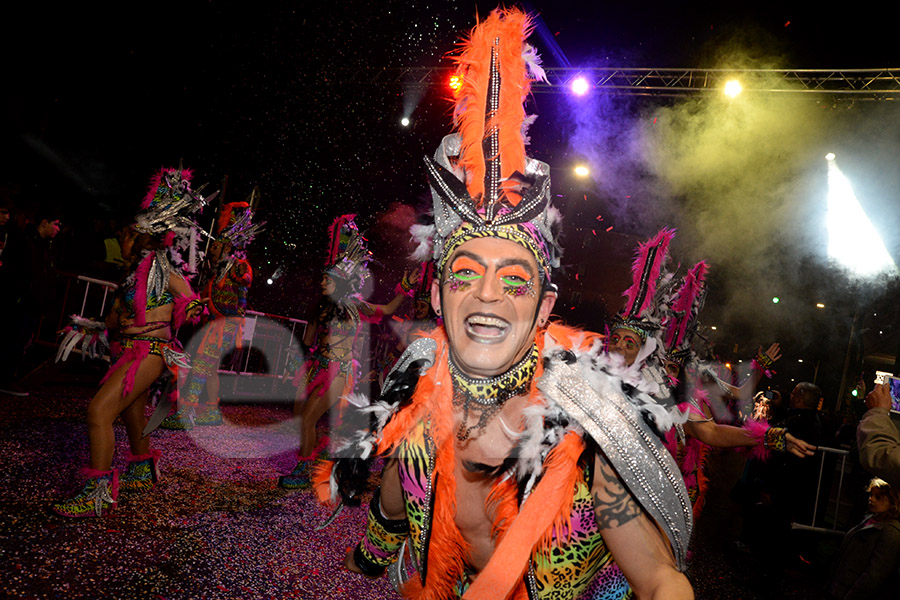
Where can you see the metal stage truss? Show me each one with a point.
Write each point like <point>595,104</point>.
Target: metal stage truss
<point>860,83</point>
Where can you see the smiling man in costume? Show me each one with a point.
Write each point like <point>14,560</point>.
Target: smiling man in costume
<point>517,466</point>
<point>653,334</point>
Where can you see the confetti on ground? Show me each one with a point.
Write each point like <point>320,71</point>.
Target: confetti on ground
<point>216,526</point>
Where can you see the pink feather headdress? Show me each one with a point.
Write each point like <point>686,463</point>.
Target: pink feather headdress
<point>684,310</point>
<point>166,211</point>
<point>639,313</point>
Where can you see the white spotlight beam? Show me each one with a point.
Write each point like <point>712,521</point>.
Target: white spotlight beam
<point>852,239</point>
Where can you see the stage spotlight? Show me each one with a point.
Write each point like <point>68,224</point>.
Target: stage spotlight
<point>405,121</point>
<point>455,83</point>
<point>829,156</point>
<point>776,300</point>
<point>582,171</point>
<point>733,87</point>
<point>274,276</point>
<point>820,305</point>
<point>580,86</point>
<point>852,239</point>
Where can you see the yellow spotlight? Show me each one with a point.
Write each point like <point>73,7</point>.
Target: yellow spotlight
<point>733,87</point>
<point>455,83</point>
<point>713,327</point>
<point>820,305</point>
<point>582,171</point>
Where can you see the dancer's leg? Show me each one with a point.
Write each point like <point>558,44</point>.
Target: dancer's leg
<point>109,403</point>
<point>312,410</point>
<point>212,390</point>
<point>135,420</point>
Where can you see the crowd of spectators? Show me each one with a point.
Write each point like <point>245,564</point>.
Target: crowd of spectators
<point>39,249</point>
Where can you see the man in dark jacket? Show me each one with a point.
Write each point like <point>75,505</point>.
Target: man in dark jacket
<point>28,279</point>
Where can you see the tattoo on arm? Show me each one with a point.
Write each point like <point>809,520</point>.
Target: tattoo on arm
<point>613,504</point>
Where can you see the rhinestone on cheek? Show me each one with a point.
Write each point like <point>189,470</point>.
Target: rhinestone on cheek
<point>520,290</point>
<point>456,285</point>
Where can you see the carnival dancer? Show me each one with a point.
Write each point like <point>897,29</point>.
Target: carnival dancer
<point>400,332</point>
<point>332,368</point>
<point>654,332</point>
<point>224,286</point>
<point>153,302</point>
<point>516,465</point>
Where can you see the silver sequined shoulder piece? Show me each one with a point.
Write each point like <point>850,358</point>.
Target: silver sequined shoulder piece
<point>420,349</point>
<point>636,453</point>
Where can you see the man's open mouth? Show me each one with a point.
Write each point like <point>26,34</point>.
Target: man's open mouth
<point>486,328</point>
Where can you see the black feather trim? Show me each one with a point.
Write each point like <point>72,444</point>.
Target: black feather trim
<point>351,473</point>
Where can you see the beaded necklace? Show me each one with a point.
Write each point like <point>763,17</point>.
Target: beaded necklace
<point>488,395</point>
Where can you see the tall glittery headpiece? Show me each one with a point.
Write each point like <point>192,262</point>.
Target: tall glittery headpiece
<point>166,211</point>
<point>680,322</point>
<point>235,225</point>
<point>482,182</point>
<point>169,202</point>
<point>640,313</point>
<point>347,257</point>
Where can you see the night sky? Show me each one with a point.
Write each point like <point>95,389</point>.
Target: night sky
<point>98,98</point>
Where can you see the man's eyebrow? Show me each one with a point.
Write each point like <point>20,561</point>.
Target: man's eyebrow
<point>471,255</point>
<point>506,262</point>
<point>509,262</point>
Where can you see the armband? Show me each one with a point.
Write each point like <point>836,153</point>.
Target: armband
<point>375,317</point>
<point>195,303</point>
<point>776,439</point>
<point>183,306</point>
<point>405,288</point>
<point>763,363</point>
<point>758,432</point>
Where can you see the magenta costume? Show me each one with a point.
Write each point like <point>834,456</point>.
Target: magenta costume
<point>323,366</point>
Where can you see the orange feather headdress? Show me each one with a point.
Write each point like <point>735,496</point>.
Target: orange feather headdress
<point>489,112</point>
<point>482,181</point>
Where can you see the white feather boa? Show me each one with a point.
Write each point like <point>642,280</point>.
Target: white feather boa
<point>546,423</point>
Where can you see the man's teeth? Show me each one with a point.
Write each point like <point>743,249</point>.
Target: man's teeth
<point>487,321</point>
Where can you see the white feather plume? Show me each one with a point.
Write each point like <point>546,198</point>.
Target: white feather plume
<point>423,236</point>
<point>533,63</point>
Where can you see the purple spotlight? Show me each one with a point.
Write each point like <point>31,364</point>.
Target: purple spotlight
<point>580,86</point>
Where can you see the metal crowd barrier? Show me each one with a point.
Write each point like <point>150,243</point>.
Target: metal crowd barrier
<point>837,497</point>
<point>271,336</point>
<point>108,286</point>
<point>270,341</point>
<point>87,301</point>
<point>67,306</point>
<point>254,370</point>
